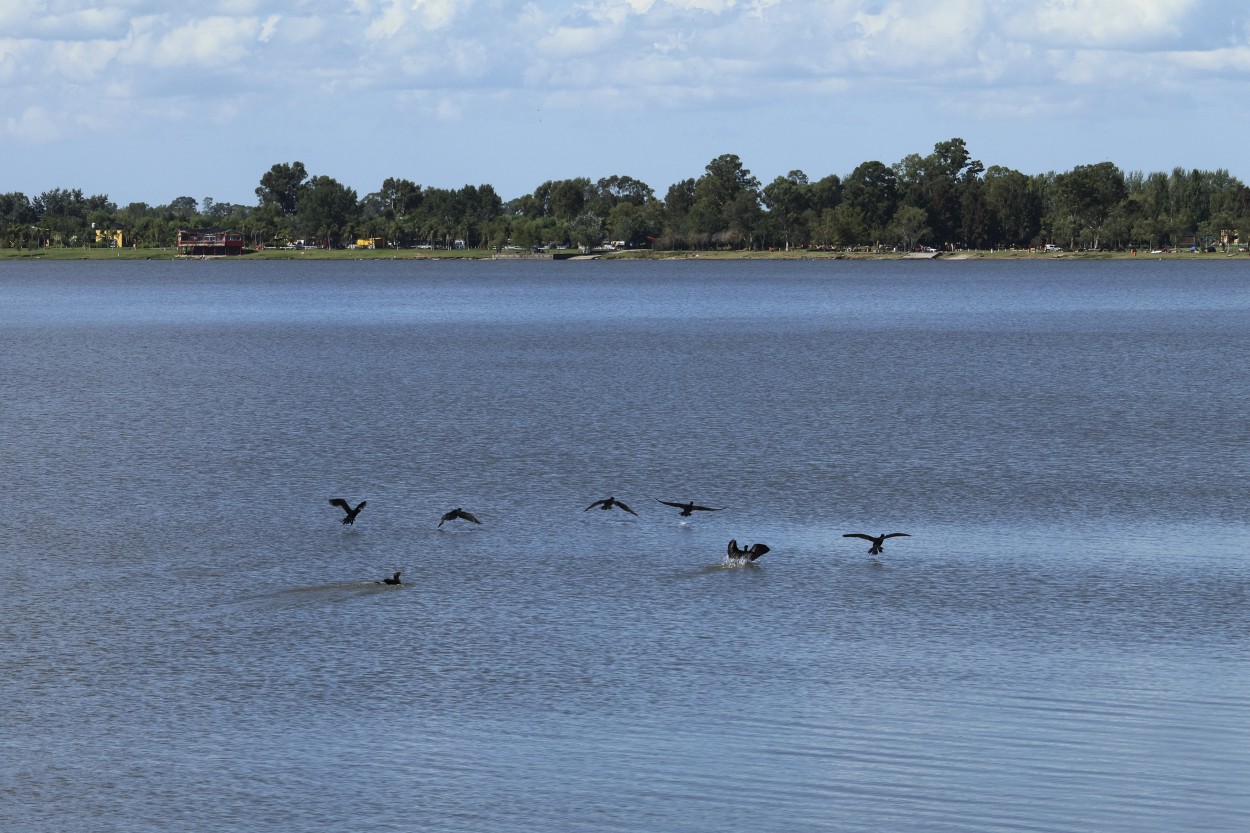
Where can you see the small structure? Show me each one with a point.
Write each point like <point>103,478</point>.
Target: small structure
<point>112,237</point>
<point>201,242</point>
<point>370,243</point>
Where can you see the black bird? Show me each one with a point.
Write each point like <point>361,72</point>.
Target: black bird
<point>392,580</point>
<point>749,554</point>
<point>608,503</point>
<point>458,513</point>
<point>877,540</point>
<point>351,513</point>
<point>687,509</point>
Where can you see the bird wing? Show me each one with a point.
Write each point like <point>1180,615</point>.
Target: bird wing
<point>626,508</point>
<point>340,503</point>
<point>447,516</point>
<point>467,516</point>
<point>895,535</point>
<point>759,549</point>
<point>732,549</point>
<point>706,508</point>
<point>672,504</point>
<point>596,503</point>
<point>859,535</point>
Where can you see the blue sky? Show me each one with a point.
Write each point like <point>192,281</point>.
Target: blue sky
<point>148,101</point>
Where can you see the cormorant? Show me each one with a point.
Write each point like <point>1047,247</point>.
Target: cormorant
<point>749,554</point>
<point>458,513</point>
<point>687,509</point>
<point>877,540</point>
<point>608,503</point>
<point>392,580</point>
<point>351,513</point>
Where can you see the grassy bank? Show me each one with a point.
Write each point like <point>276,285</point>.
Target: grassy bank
<point>56,253</point>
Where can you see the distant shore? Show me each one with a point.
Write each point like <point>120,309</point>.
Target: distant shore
<point>51,253</point>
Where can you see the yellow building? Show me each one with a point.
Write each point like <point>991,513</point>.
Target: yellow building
<point>112,236</point>
<point>370,243</point>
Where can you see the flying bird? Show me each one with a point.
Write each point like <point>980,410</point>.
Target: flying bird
<point>351,513</point>
<point>688,509</point>
<point>392,580</point>
<point>877,540</point>
<point>607,503</point>
<point>458,513</point>
<point>749,554</point>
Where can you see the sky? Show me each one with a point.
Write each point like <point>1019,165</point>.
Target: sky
<point>150,100</point>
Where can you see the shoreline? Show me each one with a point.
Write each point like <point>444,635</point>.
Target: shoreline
<point>76,254</point>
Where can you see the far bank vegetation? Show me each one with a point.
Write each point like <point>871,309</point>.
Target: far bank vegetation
<point>945,200</point>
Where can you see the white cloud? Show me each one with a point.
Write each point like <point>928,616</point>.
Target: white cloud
<point>268,27</point>
<point>1234,59</point>
<point>575,41</point>
<point>61,21</point>
<point>903,36</point>
<point>83,61</point>
<point>450,61</point>
<point>702,5</point>
<point>35,125</point>
<point>389,22</point>
<point>207,43</point>
<point>398,15</point>
<point>1102,23</point>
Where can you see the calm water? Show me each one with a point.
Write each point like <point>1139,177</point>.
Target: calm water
<point>191,641</point>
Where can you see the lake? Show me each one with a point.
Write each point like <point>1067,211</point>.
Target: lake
<point>191,640</point>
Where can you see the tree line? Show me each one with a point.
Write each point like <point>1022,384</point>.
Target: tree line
<point>945,199</point>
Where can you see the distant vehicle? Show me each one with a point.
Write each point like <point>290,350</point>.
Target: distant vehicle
<point>1051,247</point>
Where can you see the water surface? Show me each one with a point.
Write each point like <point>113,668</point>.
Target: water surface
<point>189,640</point>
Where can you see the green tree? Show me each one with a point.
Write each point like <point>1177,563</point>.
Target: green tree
<point>18,219</point>
<point>400,196</point>
<point>1014,201</point>
<point>1085,197</point>
<point>326,210</point>
<point>842,225</point>
<point>872,189</point>
<point>614,190</point>
<point>909,227</point>
<point>678,203</point>
<point>183,209</point>
<point>568,198</point>
<point>282,186</point>
<point>788,200</point>
<point>586,231</point>
<point>63,215</point>
<point>939,183</point>
<point>726,200</point>
<point>635,225</point>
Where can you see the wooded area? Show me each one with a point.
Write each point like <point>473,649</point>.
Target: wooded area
<point>946,200</point>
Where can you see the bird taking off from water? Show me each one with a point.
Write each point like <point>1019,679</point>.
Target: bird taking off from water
<point>607,503</point>
<point>877,540</point>
<point>392,580</point>
<point>458,513</point>
<point>687,509</point>
<point>749,554</point>
<point>351,513</point>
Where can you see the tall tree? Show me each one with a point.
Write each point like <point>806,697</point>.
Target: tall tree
<point>726,200</point>
<point>872,189</point>
<point>1015,205</point>
<point>282,187</point>
<point>1085,198</point>
<point>326,209</point>
<point>937,183</point>
<point>787,199</point>
<point>400,196</point>
<point>909,226</point>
